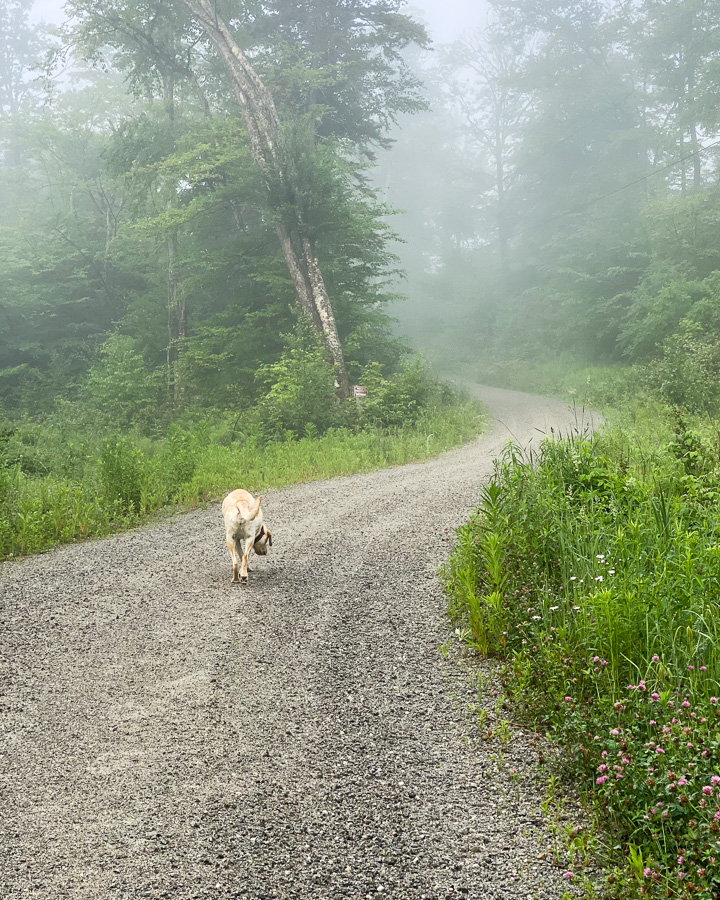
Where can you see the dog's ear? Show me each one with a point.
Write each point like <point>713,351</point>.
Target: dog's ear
<point>255,508</point>
<point>269,535</point>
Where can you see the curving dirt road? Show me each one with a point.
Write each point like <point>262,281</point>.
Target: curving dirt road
<point>168,734</point>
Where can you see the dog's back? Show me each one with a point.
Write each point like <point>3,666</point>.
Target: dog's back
<point>239,509</point>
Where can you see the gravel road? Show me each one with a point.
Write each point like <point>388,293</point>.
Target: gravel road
<point>168,734</point>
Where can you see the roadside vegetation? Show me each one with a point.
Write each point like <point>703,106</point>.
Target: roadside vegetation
<point>76,474</point>
<point>591,567</point>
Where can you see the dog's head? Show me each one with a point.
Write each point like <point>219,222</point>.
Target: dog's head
<point>263,540</point>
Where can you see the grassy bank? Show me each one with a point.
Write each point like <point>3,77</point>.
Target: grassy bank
<point>565,379</point>
<point>593,570</point>
<point>64,486</point>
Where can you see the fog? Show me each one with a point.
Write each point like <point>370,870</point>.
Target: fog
<point>539,194</point>
<point>537,185</point>
<point>446,21</point>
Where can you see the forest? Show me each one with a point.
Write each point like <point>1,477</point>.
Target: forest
<point>543,190</point>
<point>140,232</point>
<point>569,210</point>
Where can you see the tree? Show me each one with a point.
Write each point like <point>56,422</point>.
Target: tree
<point>358,56</point>
<point>269,151</point>
<point>21,51</point>
<point>680,57</point>
<point>153,43</point>
<point>344,64</point>
<point>483,82</point>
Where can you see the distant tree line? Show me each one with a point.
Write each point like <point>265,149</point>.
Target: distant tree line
<point>564,191</point>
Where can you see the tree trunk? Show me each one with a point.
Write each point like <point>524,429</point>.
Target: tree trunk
<point>327,317</point>
<point>176,312</point>
<point>683,166</point>
<point>299,278</point>
<point>501,212</point>
<point>263,125</point>
<point>176,318</point>
<point>692,129</point>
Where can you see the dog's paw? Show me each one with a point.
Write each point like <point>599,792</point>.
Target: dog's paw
<point>243,580</point>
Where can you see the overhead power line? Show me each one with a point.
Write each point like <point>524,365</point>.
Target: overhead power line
<point>652,174</point>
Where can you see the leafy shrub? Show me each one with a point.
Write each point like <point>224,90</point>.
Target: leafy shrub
<point>402,399</point>
<point>299,388</point>
<point>687,374</point>
<point>123,473</point>
<point>689,447</point>
<point>7,539</point>
<point>6,433</point>
<point>660,302</point>
<point>119,385</point>
<point>177,465</point>
<point>24,448</point>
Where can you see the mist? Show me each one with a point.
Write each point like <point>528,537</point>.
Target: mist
<point>498,188</point>
<point>549,189</point>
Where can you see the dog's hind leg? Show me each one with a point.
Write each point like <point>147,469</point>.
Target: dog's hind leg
<point>244,565</point>
<point>233,555</point>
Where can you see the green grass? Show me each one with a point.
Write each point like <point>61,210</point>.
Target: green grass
<point>597,387</point>
<point>64,488</point>
<point>593,569</point>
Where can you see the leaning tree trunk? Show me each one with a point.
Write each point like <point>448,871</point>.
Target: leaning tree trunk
<point>177,324</point>
<point>176,308</point>
<point>263,125</point>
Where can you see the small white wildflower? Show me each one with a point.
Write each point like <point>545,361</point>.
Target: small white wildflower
<point>598,578</point>
<point>600,556</point>
<point>537,617</point>
<point>573,578</point>
<point>611,571</point>
<point>553,608</point>
<point>576,608</point>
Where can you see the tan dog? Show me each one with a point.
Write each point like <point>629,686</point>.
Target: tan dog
<point>244,530</point>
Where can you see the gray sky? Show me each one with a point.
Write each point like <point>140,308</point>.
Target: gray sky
<point>446,19</point>
<point>48,11</point>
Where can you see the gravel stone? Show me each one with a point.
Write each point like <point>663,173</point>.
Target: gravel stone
<point>168,734</point>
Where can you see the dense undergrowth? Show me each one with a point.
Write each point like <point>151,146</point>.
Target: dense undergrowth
<point>75,475</point>
<point>593,569</point>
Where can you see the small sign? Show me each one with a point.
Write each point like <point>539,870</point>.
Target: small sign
<point>359,391</point>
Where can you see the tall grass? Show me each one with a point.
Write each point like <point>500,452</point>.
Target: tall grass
<point>593,569</point>
<point>594,386</point>
<point>83,488</point>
